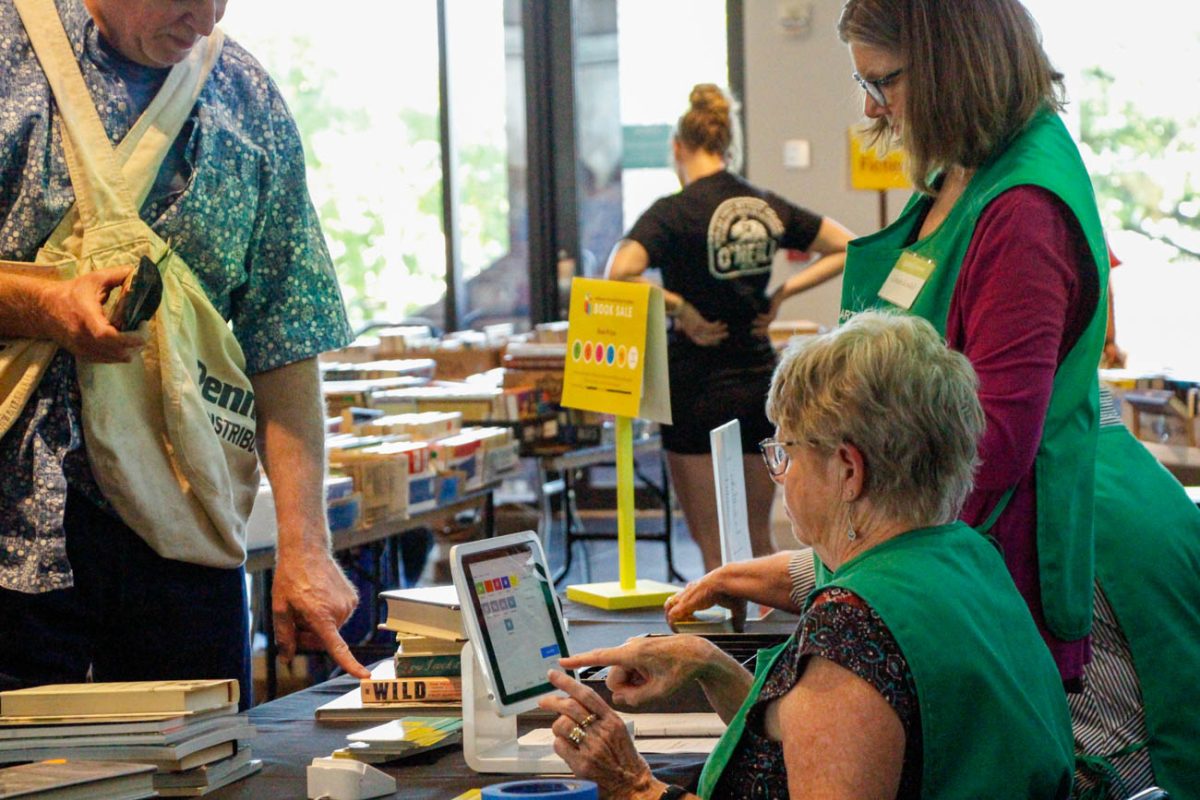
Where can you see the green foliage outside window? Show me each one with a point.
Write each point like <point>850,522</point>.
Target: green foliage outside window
<point>384,228</point>
<point>1145,168</point>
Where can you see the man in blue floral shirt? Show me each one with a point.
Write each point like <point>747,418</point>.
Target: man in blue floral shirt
<point>79,590</point>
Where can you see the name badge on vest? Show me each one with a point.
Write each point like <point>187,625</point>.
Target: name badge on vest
<point>906,280</point>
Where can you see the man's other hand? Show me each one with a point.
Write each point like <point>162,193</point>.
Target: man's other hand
<point>75,319</point>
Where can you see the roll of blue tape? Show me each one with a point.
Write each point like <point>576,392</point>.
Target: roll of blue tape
<point>543,789</point>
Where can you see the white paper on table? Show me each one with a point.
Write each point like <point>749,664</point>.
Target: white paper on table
<point>663,744</point>
<point>704,724</point>
<point>688,744</point>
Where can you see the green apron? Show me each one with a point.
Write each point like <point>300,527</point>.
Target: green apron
<point>1148,564</point>
<point>1042,155</point>
<point>989,693</point>
<point>727,744</point>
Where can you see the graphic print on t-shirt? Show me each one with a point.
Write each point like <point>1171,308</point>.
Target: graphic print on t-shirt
<point>742,237</point>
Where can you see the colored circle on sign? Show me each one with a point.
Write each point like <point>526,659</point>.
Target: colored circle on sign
<point>633,357</point>
<point>599,352</point>
<point>610,355</point>
<point>621,354</point>
<point>577,350</point>
<point>587,352</point>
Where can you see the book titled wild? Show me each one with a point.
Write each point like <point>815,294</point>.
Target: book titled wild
<point>409,690</point>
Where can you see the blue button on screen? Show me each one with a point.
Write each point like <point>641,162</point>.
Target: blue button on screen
<point>550,650</point>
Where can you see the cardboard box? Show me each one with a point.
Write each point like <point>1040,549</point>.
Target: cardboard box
<point>420,426</point>
<point>456,363</point>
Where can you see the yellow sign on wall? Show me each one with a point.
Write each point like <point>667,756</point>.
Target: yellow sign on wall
<point>870,171</point>
<point>617,350</point>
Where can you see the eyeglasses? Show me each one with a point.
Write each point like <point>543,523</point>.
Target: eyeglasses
<point>775,455</point>
<point>875,88</point>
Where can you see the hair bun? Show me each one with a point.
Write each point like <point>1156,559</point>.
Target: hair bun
<point>709,98</point>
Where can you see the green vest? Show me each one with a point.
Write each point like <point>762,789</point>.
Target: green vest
<point>1148,564</point>
<point>994,718</point>
<point>1042,155</point>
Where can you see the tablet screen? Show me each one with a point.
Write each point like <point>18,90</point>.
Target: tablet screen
<point>514,603</point>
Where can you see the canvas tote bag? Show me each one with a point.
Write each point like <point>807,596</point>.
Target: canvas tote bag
<point>170,436</point>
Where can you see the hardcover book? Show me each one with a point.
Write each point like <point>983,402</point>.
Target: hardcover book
<point>179,755</point>
<point>120,698</point>
<point>411,690</point>
<point>113,733</point>
<point>430,610</point>
<point>209,777</point>
<point>415,644</point>
<point>349,707</point>
<point>420,665</point>
<point>165,727</point>
<point>61,779</point>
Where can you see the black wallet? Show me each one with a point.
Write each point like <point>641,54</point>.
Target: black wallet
<point>140,296</point>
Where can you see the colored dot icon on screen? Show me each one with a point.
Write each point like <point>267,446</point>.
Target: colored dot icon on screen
<point>508,624</point>
<point>610,355</point>
<point>577,350</point>
<point>587,352</point>
<point>633,358</point>
<point>599,352</point>
<point>514,580</point>
<point>479,589</point>
<point>621,355</point>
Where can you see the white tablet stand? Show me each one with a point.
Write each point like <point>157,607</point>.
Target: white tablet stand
<point>490,740</point>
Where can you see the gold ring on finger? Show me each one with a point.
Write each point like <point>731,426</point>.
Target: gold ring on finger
<point>576,735</point>
<point>588,720</point>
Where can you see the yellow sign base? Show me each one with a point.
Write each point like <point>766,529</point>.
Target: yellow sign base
<point>611,597</point>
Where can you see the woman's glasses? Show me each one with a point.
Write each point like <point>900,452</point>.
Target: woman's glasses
<point>875,88</point>
<point>775,455</point>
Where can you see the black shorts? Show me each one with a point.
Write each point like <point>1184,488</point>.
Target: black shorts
<point>706,395</point>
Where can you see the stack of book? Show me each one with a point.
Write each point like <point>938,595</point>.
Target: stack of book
<point>188,732</point>
<point>401,738</point>
<point>429,632</point>
<point>424,677</point>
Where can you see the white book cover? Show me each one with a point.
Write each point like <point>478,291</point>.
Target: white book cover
<point>729,474</point>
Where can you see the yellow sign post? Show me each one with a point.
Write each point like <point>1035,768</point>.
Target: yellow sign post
<point>617,364</point>
<point>869,170</point>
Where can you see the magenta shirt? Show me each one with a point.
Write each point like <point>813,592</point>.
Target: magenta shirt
<point>1025,294</point>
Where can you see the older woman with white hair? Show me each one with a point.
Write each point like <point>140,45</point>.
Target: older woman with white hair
<point>917,670</point>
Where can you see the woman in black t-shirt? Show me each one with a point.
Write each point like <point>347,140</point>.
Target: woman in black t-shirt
<point>714,243</point>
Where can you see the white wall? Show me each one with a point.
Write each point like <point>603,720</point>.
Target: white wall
<point>798,86</point>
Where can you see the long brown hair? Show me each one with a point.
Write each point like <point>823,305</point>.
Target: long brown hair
<point>976,75</point>
<point>711,124</point>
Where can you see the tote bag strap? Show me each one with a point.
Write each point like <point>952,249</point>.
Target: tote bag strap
<point>100,191</point>
<point>111,187</point>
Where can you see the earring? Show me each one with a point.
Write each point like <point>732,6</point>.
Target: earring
<point>851,534</point>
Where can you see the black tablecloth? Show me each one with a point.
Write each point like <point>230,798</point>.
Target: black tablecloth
<point>289,737</point>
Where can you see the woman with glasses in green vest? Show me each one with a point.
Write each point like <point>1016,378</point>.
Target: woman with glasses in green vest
<point>916,671</point>
<point>1001,249</point>
<point>1135,723</point>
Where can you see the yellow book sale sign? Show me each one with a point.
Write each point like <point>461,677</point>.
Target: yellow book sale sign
<point>617,350</point>
<point>870,171</point>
